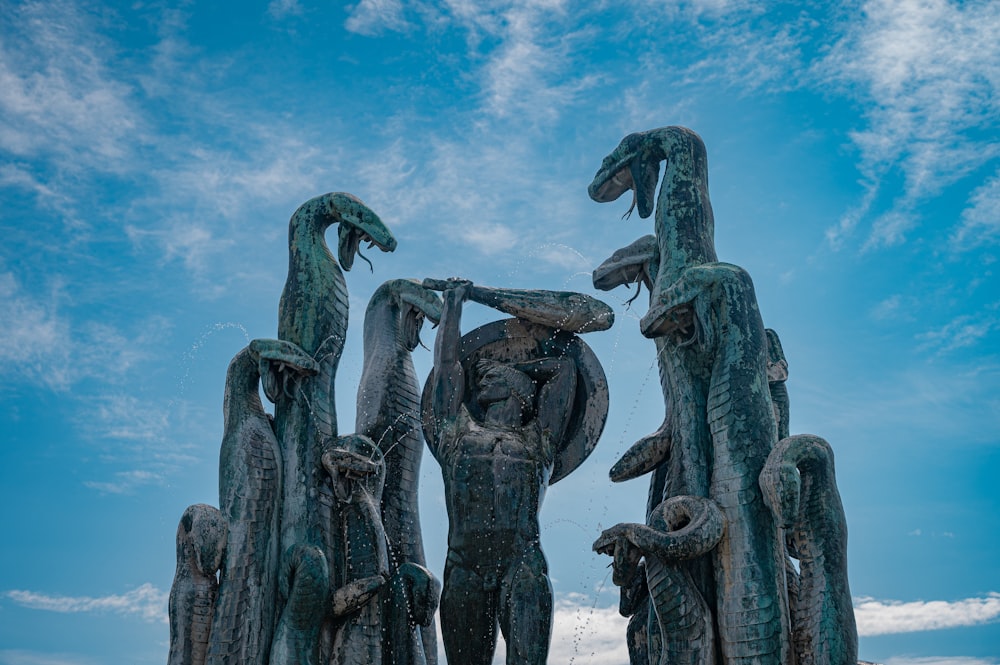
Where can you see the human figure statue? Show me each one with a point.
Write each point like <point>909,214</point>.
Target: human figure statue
<point>495,473</point>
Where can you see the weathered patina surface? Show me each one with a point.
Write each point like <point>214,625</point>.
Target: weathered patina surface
<point>388,412</point>
<point>679,529</point>
<point>800,487</point>
<point>312,314</point>
<point>723,378</point>
<point>498,462</point>
<point>201,544</point>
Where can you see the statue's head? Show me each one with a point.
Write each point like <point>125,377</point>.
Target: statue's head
<point>499,382</point>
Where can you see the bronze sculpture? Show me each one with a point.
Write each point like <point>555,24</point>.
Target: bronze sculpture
<point>315,556</point>
<point>496,468</point>
<point>724,388</point>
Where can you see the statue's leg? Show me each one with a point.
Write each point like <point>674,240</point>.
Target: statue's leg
<point>526,609</point>
<point>468,615</point>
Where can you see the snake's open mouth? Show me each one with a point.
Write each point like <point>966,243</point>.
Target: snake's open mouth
<point>349,468</point>
<point>358,223</point>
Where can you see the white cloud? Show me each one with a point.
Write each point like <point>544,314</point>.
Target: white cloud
<point>588,635</point>
<point>964,331</point>
<point>36,338</point>
<point>930,68</point>
<point>981,220</point>
<point>582,633</point>
<point>489,238</point>
<point>939,660</point>
<point>58,95</point>
<point>125,482</point>
<point>888,309</point>
<point>46,347</point>
<point>283,8</point>
<point>890,229</point>
<point>372,17</point>
<point>146,602</point>
<point>886,617</point>
<point>535,51</point>
<point>21,657</point>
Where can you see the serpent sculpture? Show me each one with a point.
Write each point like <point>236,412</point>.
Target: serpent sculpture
<point>711,315</point>
<point>637,263</point>
<point>777,374</point>
<point>305,588</point>
<point>201,544</point>
<point>375,610</point>
<point>721,423</point>
<point>389,414</point>
<point>249,490</point>
<point>360,567</point>
<point>680,528</point>
<point>800,487</point>
<point>312,314</point>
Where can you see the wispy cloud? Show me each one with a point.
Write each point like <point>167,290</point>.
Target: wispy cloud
<point>372,17</point>
<point>583,633</point>
<point>145,602</point>
<point>964,331</point>
<point>125,482</point>
<point>141,435</point>
<point>45,346</point>
<point>280,9</point>
<point>21,657</point>
<point>886,617</point>
<point>58,97</point>
<point>981,220</point>
<point>930,69</point>
<point>939,660</point>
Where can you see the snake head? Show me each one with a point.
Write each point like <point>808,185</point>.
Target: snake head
<point>777,365</point>
<point>645,455</point>
<point>357,224</point>
<point>615,543</point>
<point>354,465</point>
<point>628,265</point>
<point>202,537</point>
<point>281,365</point>
<point>635,164</point>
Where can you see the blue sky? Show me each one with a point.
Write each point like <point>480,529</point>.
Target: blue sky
<point>151,154</point>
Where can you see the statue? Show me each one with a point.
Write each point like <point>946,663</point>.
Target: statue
<point>201,543</point>
<point>723,379</point>
<point>315,555</point>
<point>498,457</point>
<point>800,488</point>
<point>249,494</point>
<point>312,314</point>
<point>388,413</point>
<point>680,528</point>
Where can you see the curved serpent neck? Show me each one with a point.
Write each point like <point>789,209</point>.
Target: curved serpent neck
<point>684,223</point>
<point>311,266</point>
<point>242,397</point>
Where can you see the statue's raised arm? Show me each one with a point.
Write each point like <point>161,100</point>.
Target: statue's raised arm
<point>448,377</point>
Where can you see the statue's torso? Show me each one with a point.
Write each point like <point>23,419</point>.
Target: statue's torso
<point>495,478</point>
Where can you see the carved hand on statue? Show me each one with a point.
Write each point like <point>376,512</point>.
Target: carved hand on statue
<point>456,285</point>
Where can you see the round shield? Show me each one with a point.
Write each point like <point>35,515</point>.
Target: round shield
<point>516,341</point>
